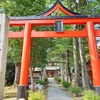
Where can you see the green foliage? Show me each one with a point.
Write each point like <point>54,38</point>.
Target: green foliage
<point>10,69</point>
<point>65,84</point>
<point>23,7</point>
<point>58,51</point>
<point>20,8</point>
<point>39,46</point>
<point>93,7</point>
<point>39,52</point>
<point>58,79</point>
<point>75,90</point>
<point>36,95</point>
<point>55,78</point>
<point>46,80</point>
<point>15,49</point>
<point>42,82</point>
<point>90,95</point>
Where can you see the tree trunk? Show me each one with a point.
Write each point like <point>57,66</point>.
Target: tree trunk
<point>62,74</point>
<point>85,79</point>
<point>31,78</point>
<point>68,73</point>
<point>42,74</point>
<point>76,63</point>
<point>17,74</point>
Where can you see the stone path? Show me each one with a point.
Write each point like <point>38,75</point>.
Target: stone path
<point>55,92</point>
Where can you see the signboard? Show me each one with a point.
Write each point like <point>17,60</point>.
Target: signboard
<point>59,26</point>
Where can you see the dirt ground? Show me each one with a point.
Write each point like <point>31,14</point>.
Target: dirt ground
<point>10,93</point>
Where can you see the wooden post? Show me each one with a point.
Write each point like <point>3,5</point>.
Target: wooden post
<point>95,63</point>
<point>23,85</point>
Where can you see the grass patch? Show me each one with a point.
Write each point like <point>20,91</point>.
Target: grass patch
<point>91,95</point>
<point>38,95</point>
<point>75,90</point>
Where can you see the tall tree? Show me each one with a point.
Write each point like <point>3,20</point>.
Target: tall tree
<point>68,69</point>
<point>76,61</point>
<point>20,8</point>
<point>85,80</point>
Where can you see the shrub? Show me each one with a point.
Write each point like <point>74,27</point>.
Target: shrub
<point>65,84</point>
<point>10,73</point>
<point>41,82</point>
<point>75,90</point>
<point>58,79</point>
<point>90,95</point>
<point>36,95</point>
<point>46,79</point>
<point>91,86</point>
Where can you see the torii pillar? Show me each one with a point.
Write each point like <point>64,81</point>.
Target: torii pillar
<point>23,85</point>
<point>94,56</point>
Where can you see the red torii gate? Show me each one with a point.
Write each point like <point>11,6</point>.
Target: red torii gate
<point>45,19</point>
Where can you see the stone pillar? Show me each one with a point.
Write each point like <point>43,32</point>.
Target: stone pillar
<point>3,51</point>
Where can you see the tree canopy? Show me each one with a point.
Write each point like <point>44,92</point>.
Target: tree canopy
<point>30,7</point>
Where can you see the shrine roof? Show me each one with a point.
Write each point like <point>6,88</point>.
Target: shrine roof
<point>53,17</point>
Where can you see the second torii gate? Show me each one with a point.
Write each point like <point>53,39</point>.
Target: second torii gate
<point>44,19</point>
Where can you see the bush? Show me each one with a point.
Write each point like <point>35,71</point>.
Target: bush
<point>58,79</point>
<point>46,80</point>
<point>75,90</point>
<point>65,84</point>
<point>90,95</point>
<point>41,82</point>
<point>10,73</point>
<point>36,95</point>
